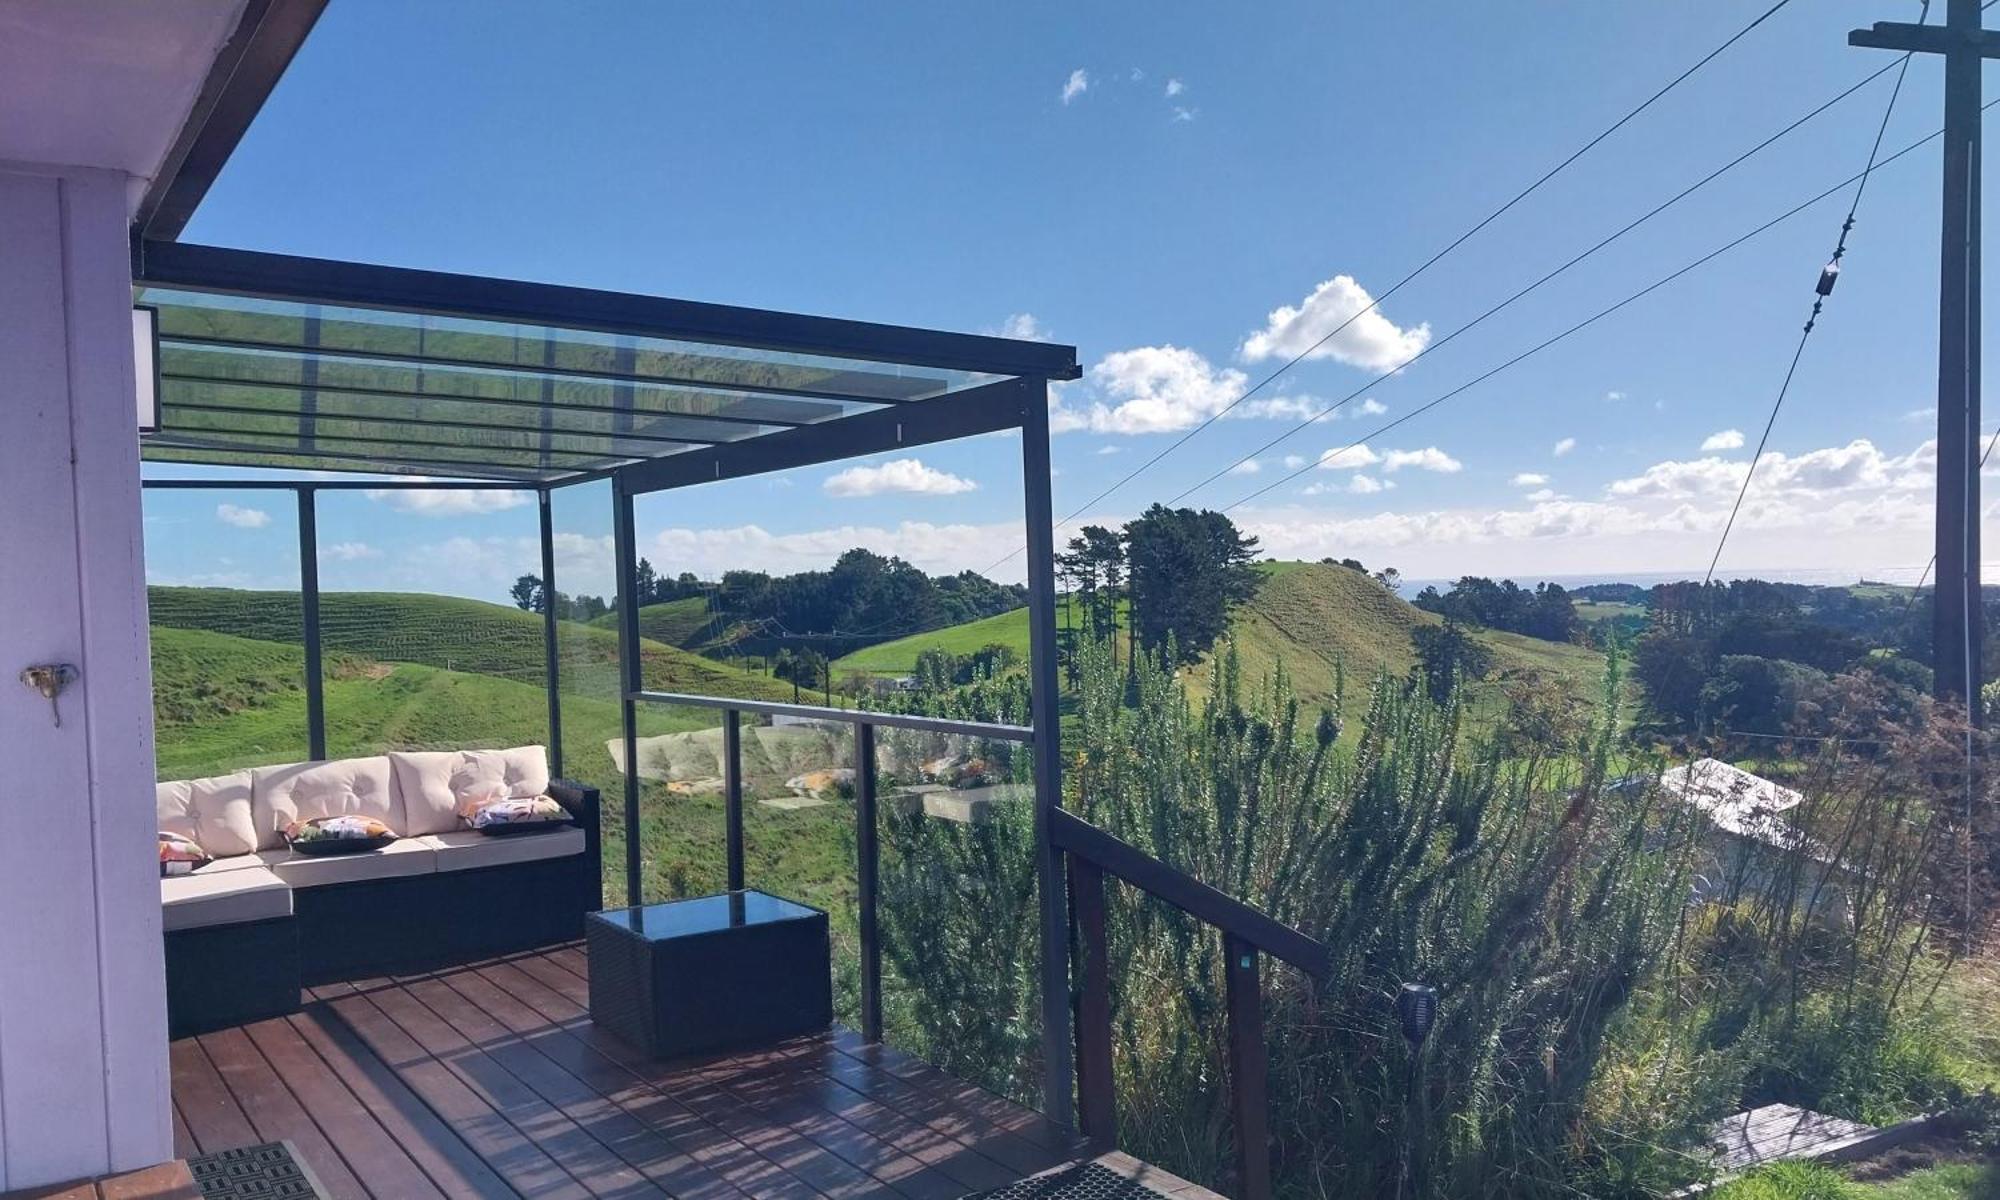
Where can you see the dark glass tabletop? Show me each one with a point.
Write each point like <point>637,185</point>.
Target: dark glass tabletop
<point>704,914</point>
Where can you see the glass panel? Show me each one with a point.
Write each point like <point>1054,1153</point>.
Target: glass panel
<point>428,643</point>
<point>587,662</point>
<point>222,574</point>
<point>682,825</point>
<point>193,318</point>
<point>798,831</point>
<point>959,908</point>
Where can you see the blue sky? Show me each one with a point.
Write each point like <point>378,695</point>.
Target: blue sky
<point>1184,193</point>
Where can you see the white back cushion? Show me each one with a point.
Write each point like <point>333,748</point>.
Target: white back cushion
<point>431,784</point>
<point>302,791</point>
<point>215,812</point>
<point>527,770</point>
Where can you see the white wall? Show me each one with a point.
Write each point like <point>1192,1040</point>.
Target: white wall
<point>83,1040</point>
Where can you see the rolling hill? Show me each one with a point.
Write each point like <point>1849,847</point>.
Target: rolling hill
<point>454,634</point>
<point>1309,617</point>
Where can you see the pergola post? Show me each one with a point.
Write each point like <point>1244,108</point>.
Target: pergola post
<point>628,680</point>
<point>551,664</point>
<point>1057,1052</point>
<point>309,621</point>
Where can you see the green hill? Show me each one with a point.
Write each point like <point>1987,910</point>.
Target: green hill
<point>1309,617</point>
<point>1010,629</point>
<point>453,633</point>
<point>686,622</point>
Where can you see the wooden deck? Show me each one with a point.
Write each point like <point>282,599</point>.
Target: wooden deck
<point>490,1080</point>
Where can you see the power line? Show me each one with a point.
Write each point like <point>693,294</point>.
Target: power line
<point>1428,263</point>
<point>1628,227</point>
<point>1918,590</point>
<point>1822,290</point>
<point>1598,316</point>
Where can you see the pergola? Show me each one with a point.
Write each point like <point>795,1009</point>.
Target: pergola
<point>297,371</point>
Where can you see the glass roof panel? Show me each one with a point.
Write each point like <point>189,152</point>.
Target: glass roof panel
<point>251,381</point>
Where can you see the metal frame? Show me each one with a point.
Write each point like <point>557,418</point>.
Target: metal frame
<point>1017,400</point>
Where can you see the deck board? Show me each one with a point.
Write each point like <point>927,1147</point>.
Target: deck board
<point>491,1080</point>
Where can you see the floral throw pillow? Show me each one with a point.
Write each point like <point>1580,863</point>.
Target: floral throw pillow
<point>503,816</point>
<point>338,835</point>
<point>180,855</point>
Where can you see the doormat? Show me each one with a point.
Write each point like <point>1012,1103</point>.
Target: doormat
<point>1086,1181</point>
<point>267,1172</point>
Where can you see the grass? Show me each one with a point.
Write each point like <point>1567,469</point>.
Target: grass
<point>686,622</point>
<point>452,633</point>
<point>1010,629</point>
<point>1811,1181</point>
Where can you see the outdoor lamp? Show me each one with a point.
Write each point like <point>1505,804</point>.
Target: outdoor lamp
<point>1417,1005</point>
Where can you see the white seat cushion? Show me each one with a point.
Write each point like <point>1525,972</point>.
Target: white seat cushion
<point>301,791</point>
<point>227,898</point>
<point>409,856</point>
<point>467,850</point>
<point>235,862</point>
<point>214,812</point>
<point>432,785</point>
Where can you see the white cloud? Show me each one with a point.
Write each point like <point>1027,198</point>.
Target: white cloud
<point>1430,458</point>
<point>449,502</point>
<point>1153,389</point>
<point>1369,407</point>
<point>1185,114</point>
<point>349,551</point>
<point>1175,87</point>
<point>1614,397</point>
<point>1349,458</point>
<point>1540,494</point>
<point>1248,466</point>
<point>1564,447</point>
<point>1370,341</point>
<point>1107,448</point>
<point>1286,408</point>
<point>897,475</point>
<point>1530,479</point>
<point>1728,439</point>
<point>1367,485</point>
<point>242,518</point>
<point>1077,84</point>
<point>1025,327</point>
<point>1294,461</point>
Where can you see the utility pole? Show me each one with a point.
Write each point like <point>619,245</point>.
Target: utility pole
<point>1958,634</point>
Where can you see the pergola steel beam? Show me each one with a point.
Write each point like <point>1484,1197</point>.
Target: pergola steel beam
<point>365,285</point>
<point>986,409</point>
<point>460,469</point>
<point>321,415</point>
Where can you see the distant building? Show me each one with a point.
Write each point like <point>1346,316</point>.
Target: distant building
<point>1751,835</point>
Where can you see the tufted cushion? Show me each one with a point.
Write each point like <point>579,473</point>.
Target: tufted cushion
<point>431,785</point>
<point>527,770</point>
<point>215,812</point>
<point>410,856</point>
<point>468,850</point>
<point>301,791</point>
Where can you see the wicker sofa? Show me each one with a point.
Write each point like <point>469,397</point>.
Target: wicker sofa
<point>245,932</point>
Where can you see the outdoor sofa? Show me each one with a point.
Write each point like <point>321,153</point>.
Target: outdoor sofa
<point>246,931</point>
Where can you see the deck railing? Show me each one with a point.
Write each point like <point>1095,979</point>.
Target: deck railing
<point>1090,854</point>
<point>867,834</point>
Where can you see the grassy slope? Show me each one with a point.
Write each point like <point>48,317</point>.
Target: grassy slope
<point>1308,617</point>
<point>452,633</point>
<point>685,622</point>
<point>899,657</point>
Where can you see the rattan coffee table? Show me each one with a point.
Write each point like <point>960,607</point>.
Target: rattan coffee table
<point>718,972</point>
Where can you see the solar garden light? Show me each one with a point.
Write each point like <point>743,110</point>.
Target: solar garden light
<point>1417,1005</point>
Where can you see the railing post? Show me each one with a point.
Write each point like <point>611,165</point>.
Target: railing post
<point>732,794</point>
<point>868,845</point>
<point>1096,1089</point>
<point>1249,1071</point>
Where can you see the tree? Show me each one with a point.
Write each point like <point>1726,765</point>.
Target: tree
<point>1389,577</point>
<point>645,583</point>
<point>527,593</point>
<point>1186,570</point>
<point>1447,656</point>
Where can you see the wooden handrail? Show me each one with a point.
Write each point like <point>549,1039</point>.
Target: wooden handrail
<point>1079,837</point>
<point>1246,933</point>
